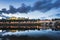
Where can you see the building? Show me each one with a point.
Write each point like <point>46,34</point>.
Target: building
<point>26,23</point>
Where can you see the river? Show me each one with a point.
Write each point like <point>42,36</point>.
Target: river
<point>32,35</point>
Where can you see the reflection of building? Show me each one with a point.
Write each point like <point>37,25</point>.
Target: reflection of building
<point>21,23</point>
<point>26,23</point>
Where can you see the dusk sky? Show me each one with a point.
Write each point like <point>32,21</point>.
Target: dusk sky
<point>34,9</point>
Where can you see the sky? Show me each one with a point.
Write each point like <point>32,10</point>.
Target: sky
<point>33,9</point>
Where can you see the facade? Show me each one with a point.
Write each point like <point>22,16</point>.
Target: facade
<point>26,23</point>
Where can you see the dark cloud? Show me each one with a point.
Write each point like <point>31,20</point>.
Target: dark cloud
<point>4,10</point>
<point>57,4</point>
<point>46,5</point>
<point>42,5</point>
<point>3,16</point>
<point>24,9</point>
<point>57,14</point>
<point>12,9</point>
<point>0,12</point>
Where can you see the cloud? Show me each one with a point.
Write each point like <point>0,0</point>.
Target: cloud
<point>57,4</point>
<point>46,5</point>
<point>24,9</point>
<point>49,7</point>
<point>37,15</point>
<point>13,10</point>
<point>0,12</point>
<point>43,5</point>
<point>3,16</point>
<point>58,14</point>
<point>4,10</point>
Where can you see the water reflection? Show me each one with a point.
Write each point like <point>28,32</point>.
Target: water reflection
<point>32,35</point>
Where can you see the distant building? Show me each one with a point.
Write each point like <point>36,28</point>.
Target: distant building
<point>26,23</point>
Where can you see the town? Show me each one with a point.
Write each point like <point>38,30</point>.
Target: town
<point>26,23</point>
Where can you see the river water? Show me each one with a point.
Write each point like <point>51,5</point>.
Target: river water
<point>33,34</point>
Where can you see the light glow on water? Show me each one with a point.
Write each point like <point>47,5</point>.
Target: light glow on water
<point>0,30</point>
<point>31,32</point>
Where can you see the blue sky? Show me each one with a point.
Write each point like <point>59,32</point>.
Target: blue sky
<point>42,9</point>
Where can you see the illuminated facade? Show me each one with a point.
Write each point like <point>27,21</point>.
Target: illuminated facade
<point>26,23</point>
